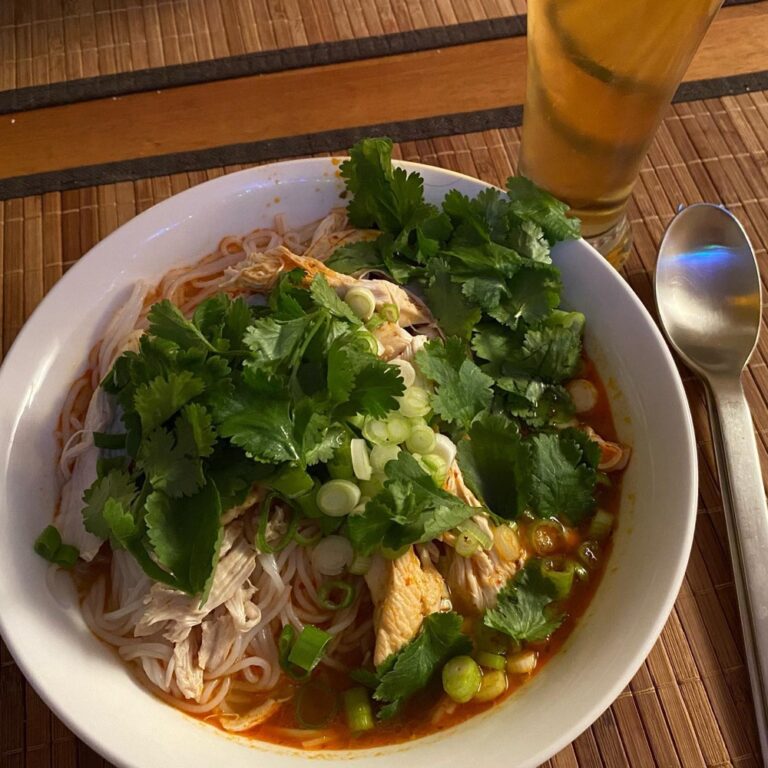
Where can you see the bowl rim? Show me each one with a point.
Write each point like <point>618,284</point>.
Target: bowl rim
<point>237,182</point>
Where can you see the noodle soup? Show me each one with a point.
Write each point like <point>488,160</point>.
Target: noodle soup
<point>347,485</point>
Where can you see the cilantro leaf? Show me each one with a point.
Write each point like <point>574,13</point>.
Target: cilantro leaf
<point>411,669</point>
<point>223,321</point>
<point>324,296</point>
<point>532,203</point>
<point>157,400</point>
<point>358,382</point>
<point>117,486</point>
<point>316,436</point>
<point>386,197</point>
<point>171,462</point>
<point>549,350</point>
<point>463,390</point>
<point>491,460</point>
<point>50,547</point>
<point>561,474</point>
<point>195,429</point>
<point>529,295</point>
<point>536,403</point>
<point>167,322</point>
<point>263,428</point>
<point>410,509</point>
<point>277,342</point>
<point>185,536</point>
<point>356,258</point>
<point>454,314</point>
<point>522,608</point>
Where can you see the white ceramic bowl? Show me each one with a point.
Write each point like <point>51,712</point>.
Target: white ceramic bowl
<point>90,689</point>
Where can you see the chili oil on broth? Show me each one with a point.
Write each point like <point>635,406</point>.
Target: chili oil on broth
<point>429,711</point>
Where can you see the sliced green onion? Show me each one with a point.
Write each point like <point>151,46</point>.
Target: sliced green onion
<point>462,678</point>
<point>436,467</point>
<point>308,502</point>
<point>466,545</point>
<point>375,431</point>
<point>292,482</point>
<point>264,546</point>
<point>337,498</point>
<point>445,448</point>
<point>382,454</point>
<point>285,643</point>
<point>370,340</point>
<point>581,573</point>
<point>415,403</point>
<point>494,683</point>
<point>108,441</point>
<point>421,440</point>
<point>332,555</point>
<point>361,464</point>
<point>471,528</point>
<point>373,486</point>
<point>309,647</point>
<point>360,565</point>
<point>306,541</point>
<point>340,465</point>
<point>407,371</point>
<point>358,711</point>
<point>361,301</point>
<point>490,660</point>
<point>393,554</point>
<point>522,663</point>
<point>601,524</point>
<point>344,591</point>
<point>315,705</point>
<point>361,505</point>
<point>398,428</point>
<point>589,554</point>
<point>561,577</point>
<point>390,312</point>
<point>546,537</point>
<point>357,420</point>
<point>490,640</point>
<point>50,546</point>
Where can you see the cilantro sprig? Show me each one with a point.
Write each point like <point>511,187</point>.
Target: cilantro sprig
<point>214,403</point>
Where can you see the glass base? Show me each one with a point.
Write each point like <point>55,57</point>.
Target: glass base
<point>615,244</point>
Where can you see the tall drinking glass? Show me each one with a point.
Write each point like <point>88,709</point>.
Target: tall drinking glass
<point>600,75</point>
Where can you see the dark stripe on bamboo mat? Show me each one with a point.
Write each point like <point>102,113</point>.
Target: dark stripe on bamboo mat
<point>261,63</point>
<point>264,62</point>
<point>306,144</point>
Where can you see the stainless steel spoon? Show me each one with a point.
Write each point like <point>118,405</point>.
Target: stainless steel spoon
<point>709,298</point>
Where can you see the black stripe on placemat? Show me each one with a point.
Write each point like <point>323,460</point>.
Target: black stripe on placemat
<point>254,152</point>
<point>327,141</point>
<point>261,63</point>
<point>264,62</point>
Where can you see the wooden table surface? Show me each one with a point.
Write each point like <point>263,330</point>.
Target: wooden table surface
<point>107,106</point>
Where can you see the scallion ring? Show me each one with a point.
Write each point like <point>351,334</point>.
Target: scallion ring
<point>336,587</point>
<point>390,312</point>
<point>361,301</point>
<point>261,535</point>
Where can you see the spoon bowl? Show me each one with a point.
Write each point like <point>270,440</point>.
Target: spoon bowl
<point>708,290</point>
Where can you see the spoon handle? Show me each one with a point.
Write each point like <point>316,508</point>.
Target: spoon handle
<point>746,516</point>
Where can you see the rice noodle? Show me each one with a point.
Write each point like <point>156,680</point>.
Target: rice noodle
<point>280,589</point>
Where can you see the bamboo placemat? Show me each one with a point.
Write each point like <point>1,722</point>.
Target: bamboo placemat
<point>60,51</point>
<point>690,704</point>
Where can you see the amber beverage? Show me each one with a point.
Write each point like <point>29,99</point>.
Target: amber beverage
<point>600,75</point>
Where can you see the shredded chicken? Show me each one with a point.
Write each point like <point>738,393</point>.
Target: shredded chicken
<point>218,635</point>
<point>322,248</point>
<point>393,339</point>
<point>404,592</point>
<point>187,669</point>
<point>475,581</point>
<point>455,484</point>
<point>259,272</point>
<point>176,612</point>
